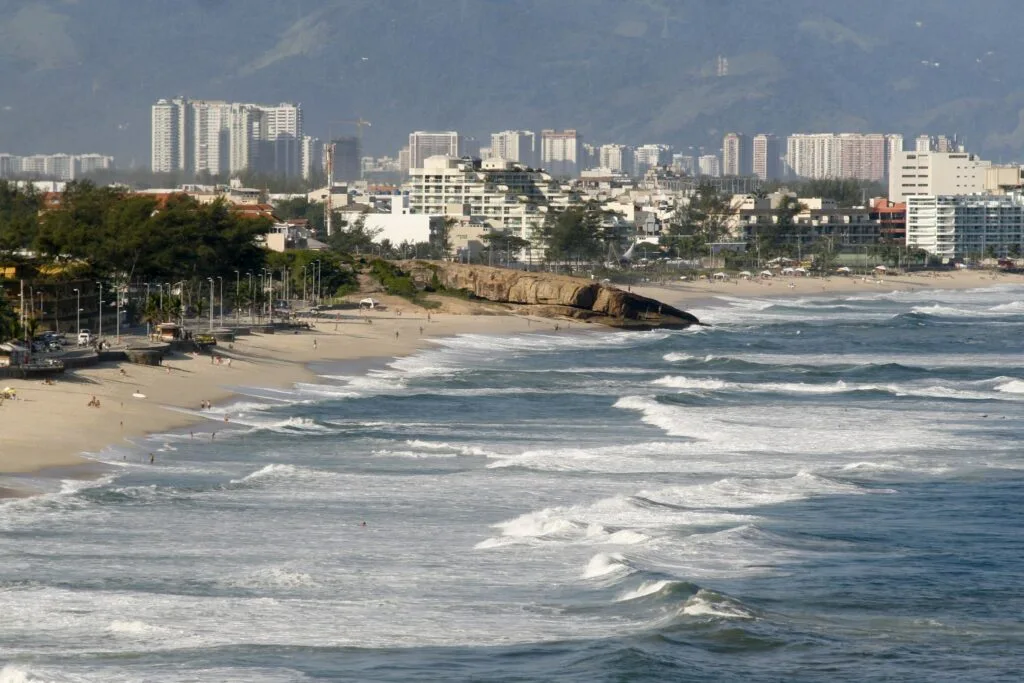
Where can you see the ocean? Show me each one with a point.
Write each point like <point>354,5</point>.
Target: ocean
<point>809,489</point>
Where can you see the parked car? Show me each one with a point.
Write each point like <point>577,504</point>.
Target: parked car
<point>85,338</point>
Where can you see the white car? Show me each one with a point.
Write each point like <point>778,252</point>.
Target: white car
<point>85,338</point>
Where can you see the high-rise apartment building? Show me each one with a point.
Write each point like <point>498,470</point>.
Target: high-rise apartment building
<point>89,163</point>
<point>515,145</point>
<point>618,158</point>
<point>893,146</point>
<point>312,156</point>
<point>348,153</point>
<point>281,134</point>
<point>710,165</point>
<point>426,144</point>
<point>864,156</point>
<point>216,137</point>
<point>935,173</point>
<point>646,157</point>
<point>766,161</point>
<point>860,156</point>
<point>923,143</point>
<point>469,146</point>
<point>561,152</point>
<point>737,155</point>
<point>171,136</point>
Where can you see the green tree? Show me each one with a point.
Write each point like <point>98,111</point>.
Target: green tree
<point>19,218</point>
<point>10,327</point>
<point>573,235</point>
<point>503,246</point>
<point>353,239</point>
<point>704,220</point>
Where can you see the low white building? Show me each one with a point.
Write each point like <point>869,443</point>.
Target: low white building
<point>393,220</point>
<point>958,226</point>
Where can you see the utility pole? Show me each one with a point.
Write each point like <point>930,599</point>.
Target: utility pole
<point>99,332</point>
<point>211,303</point>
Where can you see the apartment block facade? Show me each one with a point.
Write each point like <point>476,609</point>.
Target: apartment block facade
<point>519,146</point>
<point>766,157</point>
<point>425,144</point>
<point>959,226</point>
<point>561,152</point>
<point>935,173</point>
<point>217,137</point>
<point>507,196</point>
<point>737,154</point>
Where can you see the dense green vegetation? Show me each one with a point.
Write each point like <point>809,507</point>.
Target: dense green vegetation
<point>128,236</point>
<point>393,279</point>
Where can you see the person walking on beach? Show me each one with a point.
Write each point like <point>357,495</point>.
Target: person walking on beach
<point>396,335</point>
<point>314,344</point>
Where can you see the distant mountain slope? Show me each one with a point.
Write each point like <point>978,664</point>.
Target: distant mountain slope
<point>79,75</point>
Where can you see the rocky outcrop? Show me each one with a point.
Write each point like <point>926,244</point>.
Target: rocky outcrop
<point>551,295</point>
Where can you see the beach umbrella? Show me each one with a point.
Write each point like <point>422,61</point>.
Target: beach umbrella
<point>787,270</point>
<point>720,276</point>
<point>881,268</point>
<point>767,273</point>
<point>746,273</point>
<point>842,269</point>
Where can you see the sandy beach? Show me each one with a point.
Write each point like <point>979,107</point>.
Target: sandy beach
<point>52,426</point>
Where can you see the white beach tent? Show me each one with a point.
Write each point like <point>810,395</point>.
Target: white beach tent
<point>767,273</point>
<point>843,269</point>
<point>802,271</point>
<point>720,276</point>
<point>746,274</point>
<point>788,270</point>
<point>881,268</point>
<point>368,303</point>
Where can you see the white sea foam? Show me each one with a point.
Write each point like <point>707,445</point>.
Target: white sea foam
<point>134,628</point>
<point>1014,386</point>
<point>710,604</point>
<point>638,457</point>
<point>442,446</point>
<point>1012,307</point>
<point>918,389</point>
<point>272,577</point>
<point>743,493</point>
<point>13,673</point>
<point>645,589</point>
<point>283,472</point>
<point>606,564</point>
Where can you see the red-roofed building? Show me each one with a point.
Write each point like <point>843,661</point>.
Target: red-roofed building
<point>891,218</point>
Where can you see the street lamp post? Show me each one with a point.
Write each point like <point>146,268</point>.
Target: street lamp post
<point>249,273</point>
<point>316,288</point>
<point>238,283</point>
<point>78,310</point>
<point>211,303</point>
<point>99,327</point>
<point>221,282</point>
<point>117,321</point>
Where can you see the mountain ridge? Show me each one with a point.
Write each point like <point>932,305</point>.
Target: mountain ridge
<point>81,75</point>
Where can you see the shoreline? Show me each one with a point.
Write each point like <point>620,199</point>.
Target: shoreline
<point>50,430</point>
